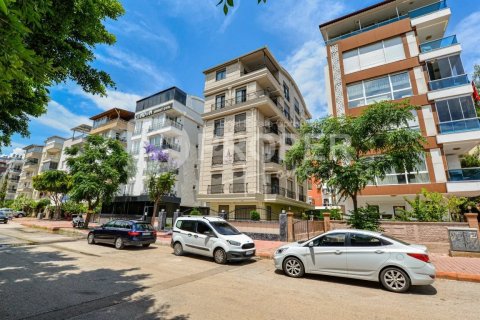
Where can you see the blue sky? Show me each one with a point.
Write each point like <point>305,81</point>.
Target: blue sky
<point>162,43</point>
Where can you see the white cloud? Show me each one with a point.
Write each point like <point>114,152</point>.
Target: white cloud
<point>114,99</point>
<point>60,118</point>
<point>18,151</point>
<point>468,34</point>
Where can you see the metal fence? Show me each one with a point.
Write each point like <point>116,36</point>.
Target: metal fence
<point>306,229</point>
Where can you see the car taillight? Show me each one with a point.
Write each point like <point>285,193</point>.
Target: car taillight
<point>133,233</point>
<point>420,256</point>
<point>154,234</point>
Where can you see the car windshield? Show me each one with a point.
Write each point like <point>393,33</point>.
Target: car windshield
<point>224,228</point>
<point>143,226</point>
<point>395,239</point>
<point>2,214</point>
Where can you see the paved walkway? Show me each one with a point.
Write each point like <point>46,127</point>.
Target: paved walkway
<point>454,268</point>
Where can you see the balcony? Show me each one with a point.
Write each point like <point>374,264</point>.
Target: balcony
<point>239,100</point>
<point>215,189</point>
<point>464,182</point>
<point>49,166</point>
<point>165,124</point>
<point>459,126</point>
<point>271,129</point>
<point>291,194</point>
<point>171,145</point>
<point>238,188</point>
<point>466,174</point>
<point>434,7</point>
<point>269,158</point>
<point>449,82</point>
<point>438,44</point>
<point>274,189</point>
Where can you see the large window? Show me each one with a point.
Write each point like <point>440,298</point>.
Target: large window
<point>217,156</point>
<point>286,91</point>
<point>240,151</point>
<point>445,67</point>
<point>391,87</point>
<point>218,128</point>
<point>220,101</point>
<point>401,176</point>
<point>373,55</point>
<point>241,95</point>
<point>216,186</point>
<point>457,114</point>
<point>136,147</point>
<point>240,122</point>
<point>221,74</point>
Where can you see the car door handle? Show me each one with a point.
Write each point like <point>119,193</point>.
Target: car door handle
<point>338,252</point>
<point>379,251</point>
<point>189,234</point>
<point>195,236</point>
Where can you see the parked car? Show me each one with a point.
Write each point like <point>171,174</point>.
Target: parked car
<point>211,237</point>
<point>78,221</point>
<point>20,214</point>
<point>361,255</point>
<point>123,233</point>
<point>8,212</point>
<point>3,218</point>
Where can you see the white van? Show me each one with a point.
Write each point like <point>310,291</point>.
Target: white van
<point>211,237</point>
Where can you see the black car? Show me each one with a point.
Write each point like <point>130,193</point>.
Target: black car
<point>122,233</point>
<point>3,218</point>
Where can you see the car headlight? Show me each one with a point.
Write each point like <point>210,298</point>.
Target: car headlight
<point>281,250</point>
<point>234,243</point>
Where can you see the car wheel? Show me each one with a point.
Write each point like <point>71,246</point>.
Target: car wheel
<point>119,243</point>
<point>395,280</point>
<point>293,267</point>
<point>220,256</point>
<point>91,238</point>
<point>177,249</point>
<point>146,245</point>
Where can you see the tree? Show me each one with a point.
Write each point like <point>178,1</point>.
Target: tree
<point>3,188</point>
<point>22,203</point>
<point>43,43</point>
<point>230,4</point>
<point>348,153</point>
<point>426,207</point>
<point>56,184</point>
<point>471,160</point>
<point>97,169</point>
<point>160,185</point>
<point>366,218</point>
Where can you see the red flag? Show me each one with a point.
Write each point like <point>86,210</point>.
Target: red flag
<point>476,96</point>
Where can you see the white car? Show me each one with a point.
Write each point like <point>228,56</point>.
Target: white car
<point>211,237</point>
<point>358,254</point>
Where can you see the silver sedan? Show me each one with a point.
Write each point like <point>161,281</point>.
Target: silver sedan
<point>358,254</point>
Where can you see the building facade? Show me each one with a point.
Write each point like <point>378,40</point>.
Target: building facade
<point>79,134</point>
<point>31,165</point>
<point>253,109</point>
<point>11,170</point>
<point>115,124</point>
<point>395,50</point>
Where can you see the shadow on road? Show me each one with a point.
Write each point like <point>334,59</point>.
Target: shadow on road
<point>414,290</point>
<point>40,284</point>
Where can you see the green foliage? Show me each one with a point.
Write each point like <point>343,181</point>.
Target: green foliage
<point>56,184</point>
<point>337,150</point>
<point>97,170</point>
<point>22,203</point>
<point>43,43</point>
<point>160,185</point>
<point>230,4</point>
<point>254,215</point>
<point>365,218</point>
<point>427,206</point>
<point>335,214</point>
<point>455,205</point>
<point>471,160</point>
<point>41,204</point>
<point>3,188</point>
<point>7,203</point>
<point>195,212</point>
<point>71,207</point>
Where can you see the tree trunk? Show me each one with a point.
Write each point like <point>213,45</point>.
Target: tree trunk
<point>87,218</point>
<point>355,202</point>
<point>58,212</point>
<point>155,211</point>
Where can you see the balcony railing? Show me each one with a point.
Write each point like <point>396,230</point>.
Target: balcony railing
<point>438,44</point>
<point>412,14</point>
<point>449,82</point>
<point>232,102</point>
<point>164,124</point>
<point>238,188</point>
<point>240,127</point>
<point>215,189</point>
<point>271,129</point>
<point>291,194</point>
<point>217,160</point>
<point>302,197</point>
<point>168,145</point>
<point>272,158</point>
<point>273,189</point>
<point>239,158</point>
<point>459,126</point>
<point>466,174</point>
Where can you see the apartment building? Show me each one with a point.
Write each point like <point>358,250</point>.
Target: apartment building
<point>31,165</point>
<point>10,169</point>
<point>169,120</point>
<point>398,49</point>
<point>253,109</point>
<point>115,124</point>
<point>79,134</point>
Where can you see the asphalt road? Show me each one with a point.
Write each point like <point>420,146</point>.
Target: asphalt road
<point>64,278</point>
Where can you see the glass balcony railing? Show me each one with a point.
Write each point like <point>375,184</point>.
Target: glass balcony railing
<point>449,82</point>
<point>411,14</point>
<point>438,44</point>
<point>459,126</point>
<point>466,174</point>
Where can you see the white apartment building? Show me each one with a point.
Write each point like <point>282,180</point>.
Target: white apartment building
<point>79,134</point>
<point>33,155</point>
<point>253,109</point>
<point>13,169</point>
<point>398,49</point>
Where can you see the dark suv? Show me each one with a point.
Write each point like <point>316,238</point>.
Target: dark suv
<point>122,233</point>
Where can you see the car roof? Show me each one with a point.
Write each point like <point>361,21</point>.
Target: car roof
<point>196,218</point>
<point>371,233</point>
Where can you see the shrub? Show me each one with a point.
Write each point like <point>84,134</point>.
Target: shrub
<point>195,212</point>
<point>365,218</point>
<point>434,207</point>
<point>42,204</point>
<point>72,207</point>
<point>254,215</point>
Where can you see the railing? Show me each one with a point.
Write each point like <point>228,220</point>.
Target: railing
<point>31,162</point>
<point>465,174</point>
<point>302,197</point>
<point>289,141</point>
<point>412,14</point>
<point>404,178</point>
<point>168,145</point>
<point>137,131</point>
<point>219,132</point>
<point>240,127</point>
<point>14,178</point>
<point>269,158</point>
<point>104,123</point>
<point>274,189</point>
<point>449,82</point>
<point>238,188</point>
<point>459,125</point>
<point>11,190</point>
<point>235,101</point>
<point>291,194</point>
<point>438,44</point>
<point>217,160</point>
<point>164,124</point>
<point>215,189</point>
<point>271,129</point>
<point>238,158</point>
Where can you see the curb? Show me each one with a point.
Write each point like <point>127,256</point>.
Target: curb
<point>64,231</point>
<point>458,276</point>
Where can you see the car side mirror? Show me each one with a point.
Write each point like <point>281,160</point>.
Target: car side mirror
<point>310,244</point>
<point>209,234</point>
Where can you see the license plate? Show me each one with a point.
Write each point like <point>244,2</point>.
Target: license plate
<point>249,253</point>
<point>147,233</point>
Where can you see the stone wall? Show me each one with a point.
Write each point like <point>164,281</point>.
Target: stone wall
<point>259,230</point>
<point>414,232</point>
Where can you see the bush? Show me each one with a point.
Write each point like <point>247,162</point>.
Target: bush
<point>335,214</point>
<point>434,207</point>
<point>23,203</point>
<point>254,215</point>
<point>42,204</point>
<point>71,207</point>
<point>195,212</point>
<point>365,218</point>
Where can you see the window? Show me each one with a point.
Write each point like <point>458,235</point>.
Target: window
<point>238,185</point>
<point>330,240</point>
<point>286,91</point>
<point>373,55</point>
<point>186,225</point>
<point>309,185</point>
<point>218,127</point>
<point>156,141</point>
<point>216,187</point>
<point>286,112</point>
<point>221,74</point>
<point>138,127</point>
<point>457,114</point>
<point>401,176</point>
<point>220,102</point>
<point>363,240</point>
<point>445,67</point>
<point>122,224</point>
<point>240,151</point>
<point>217,157</point>
<point>241,95</point>
<point>136,147</point>
<point>203,228</point>
<point>296,105</point>
<point>240,122</point>
<point>391,87</point>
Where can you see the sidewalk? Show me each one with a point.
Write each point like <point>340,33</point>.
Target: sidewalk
<point>453,268</point>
